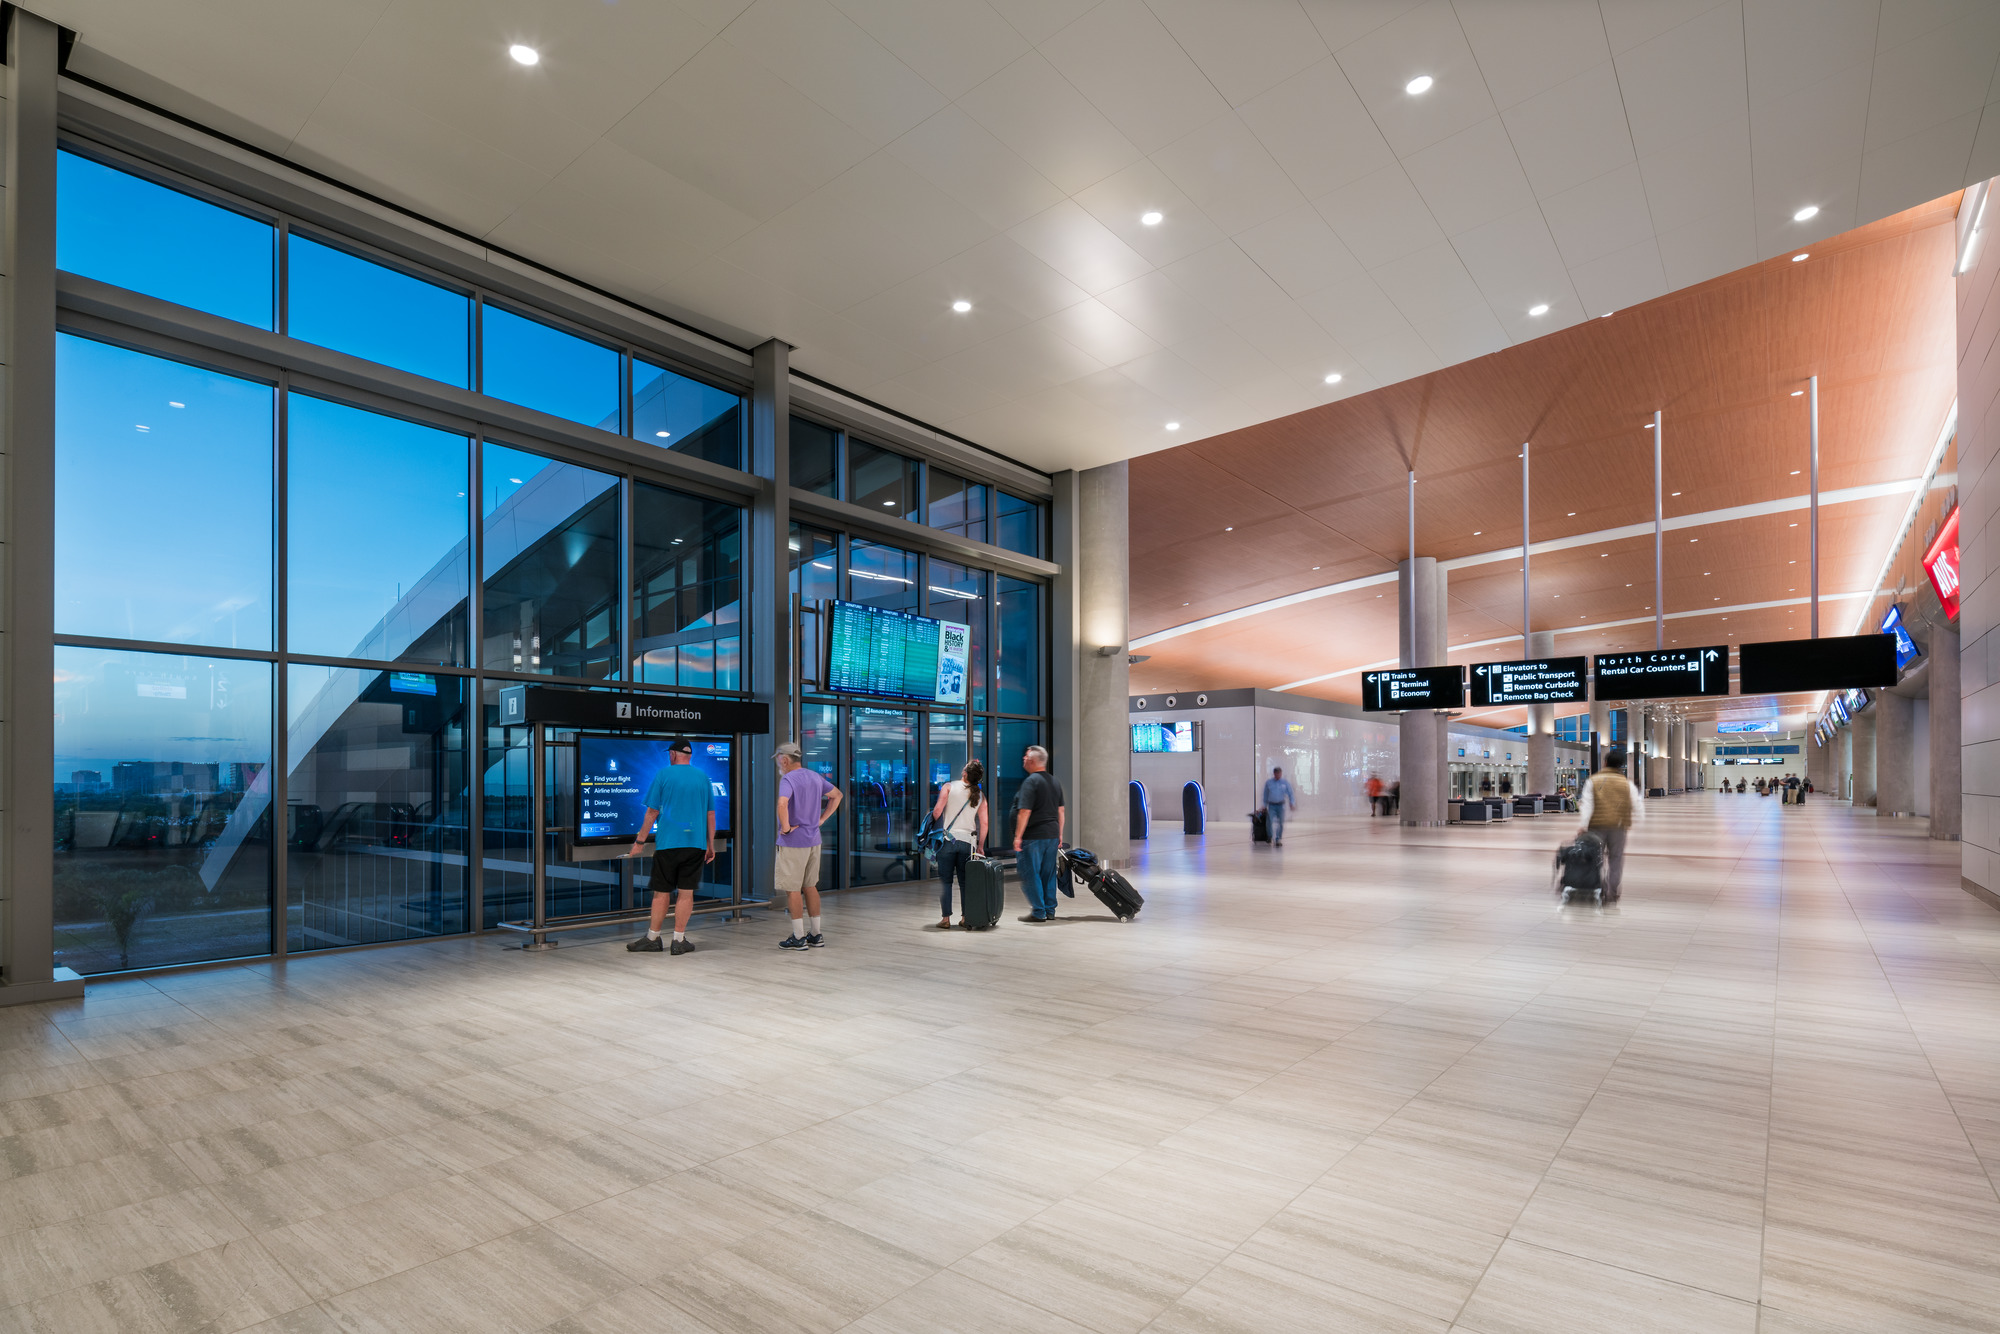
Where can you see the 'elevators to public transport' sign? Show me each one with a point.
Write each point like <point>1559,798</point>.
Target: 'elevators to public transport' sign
<point>1538,681</point>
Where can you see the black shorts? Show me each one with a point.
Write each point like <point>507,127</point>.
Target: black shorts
<point>677,868</point>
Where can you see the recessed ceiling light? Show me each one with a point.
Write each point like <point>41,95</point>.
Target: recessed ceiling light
<point>1572,514</point>
<point>889,504</point>
<point>1475,532</point>
<point>1173,426</point>
<point>1802,255</point>
<point>1420,84</point>
<point>1694,539</point>
<point>1315,567</point>
<point>1152,217</point>
<point>172,404</point>
<point>1795,472</point>
<point>1541,309</point>
<point>1333,377</point>
<point>663,434</point>
<point>1676,493</point>
<point>961,306</point>
<point>1797,392</point>
<point>1649,426</point>
<point>1229,530</point>
<point>515,480</point>
<point>524,55</point>
<point>1806,214</point>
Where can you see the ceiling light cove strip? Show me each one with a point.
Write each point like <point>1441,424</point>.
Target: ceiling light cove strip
<point>1258,608</point>
<point>1931,481</point>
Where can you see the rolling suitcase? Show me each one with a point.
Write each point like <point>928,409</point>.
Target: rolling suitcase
<point>983,897</point>
<point>1260,826</point>
<point>1113,890</point>
<point>1580,867</point>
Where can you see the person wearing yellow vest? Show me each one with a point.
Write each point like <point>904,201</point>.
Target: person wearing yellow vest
<point>1610,806</point>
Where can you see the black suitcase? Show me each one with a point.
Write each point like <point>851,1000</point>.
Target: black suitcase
<point>1260,826</point>
<point>1115,892</point>
<point>983,896</point>
<point>1580,867</point>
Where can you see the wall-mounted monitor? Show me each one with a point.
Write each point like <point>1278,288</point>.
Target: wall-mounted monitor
<point>1669,673</point>
<point>614,772</point>
<point>1788,666</point>
<point>1413,688</point>
<point>1537,681</point>
<point>1741,728</point>
<point>1165,738</point>
<point>1907,651</point>
<point>895,654</point>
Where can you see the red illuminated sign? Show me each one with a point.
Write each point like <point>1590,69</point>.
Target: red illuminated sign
<point>1941,563</point>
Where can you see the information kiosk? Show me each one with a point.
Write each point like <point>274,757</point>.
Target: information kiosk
<point>607,746</point>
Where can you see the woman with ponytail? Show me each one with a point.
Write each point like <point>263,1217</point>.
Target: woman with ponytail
<point>961,807</point>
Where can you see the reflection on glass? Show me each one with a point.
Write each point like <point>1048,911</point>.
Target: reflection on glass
<point>119,229</point>
<point>365,309</point>
<point>163,500</point>
<point>884,793</point>
<point>1017,658</point>
<point>955,593</point>
<point>525,361</point>
<point>507,868</point>
<point>376,525</point>
<point>687,592</point>
<point>550,553</point>
<point>1010,740</point>
<point>945,755</point>
<point>815,581</point>
<point>819,751</point>
<point>815,455</point>
<point>1017,524</point>
<point>882,576</point>
<point>954,504</point>
<point>375,811</point>
<point>162,809</point>
<point>685,415</point>
<point>880,480</point>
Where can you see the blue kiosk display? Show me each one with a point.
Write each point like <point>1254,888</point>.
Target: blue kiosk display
<point>1192,817</point>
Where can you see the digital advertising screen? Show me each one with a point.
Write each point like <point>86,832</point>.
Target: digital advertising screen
<point>1163,738</point>
<point>895,654</point>
<point>1745,728</point>
<point>613,773</point>
<point>1907,651</point>
<point>1413,688</point>
<point>1539,681</point>
<point>1846,662</point>
<point>1668,673</point>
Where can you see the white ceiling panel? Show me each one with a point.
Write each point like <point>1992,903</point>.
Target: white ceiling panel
<point>836,173</point>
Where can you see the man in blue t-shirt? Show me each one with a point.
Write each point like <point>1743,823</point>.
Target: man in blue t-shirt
<point>683,804</point>
<point>1278,796</point>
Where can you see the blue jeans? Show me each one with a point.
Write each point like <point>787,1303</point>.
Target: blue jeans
<point>953,859</point>
<point>1274,813</point>
<point>1037,863</point>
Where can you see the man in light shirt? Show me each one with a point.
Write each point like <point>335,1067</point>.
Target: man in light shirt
<point>1610,806</point>
<point>1278,796</point>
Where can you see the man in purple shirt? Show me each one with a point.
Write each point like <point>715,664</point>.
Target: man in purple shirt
<point>805,802</point>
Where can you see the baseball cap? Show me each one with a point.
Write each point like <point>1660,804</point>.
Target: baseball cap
<point>788,748</point>
<point>682,745</point>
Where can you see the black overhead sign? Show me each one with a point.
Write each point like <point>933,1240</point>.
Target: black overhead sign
<point>603,710</point>
<point>1849,662</point>
<point>1667,673</point>
<point>1540,681</point>
<point>1413,688</point>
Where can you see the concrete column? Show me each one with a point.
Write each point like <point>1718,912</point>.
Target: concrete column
<point>1442,644</point>
<point>1676,771</point>
<point>1542,725</point>
<point>1600,723</point>
<point>768,558</point>
<point>1065,633</point>
<point>1895,781</point>
<point>27,500</point>
<point>1947,759</point>
<point>1421,731</point>
<point>1098,808</point>
<point>1656,762</point>
<point>1843,763</point>
<point>1862,751</point>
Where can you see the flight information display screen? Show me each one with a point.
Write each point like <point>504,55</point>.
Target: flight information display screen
<point>1667,673</point>
<point>1163,738</point>
<point>895,654</point>
<point>613,773</point>
<point>1847,662</point>
<point>1413,688</point>
<point>1537,681</point>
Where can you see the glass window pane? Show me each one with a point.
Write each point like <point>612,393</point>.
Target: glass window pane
<point>1011,739</point>
<point>1017,524</point>
<point>1017,660</point>
<point>163,500</point>
<point>815,580</point>
<point>687,590</point>
<point>370,310</point>
<point>944,754</point>
<point>882,576</point>
<point>880,480</point>
<point>954,504</point>
<point>163,809</point>
<point>379,560</point>
<point>550,554</point>
<point>375,811</point>
<point>525,361</point>
<point>883,791</point>
<point>819,751</point>
<point>956,593</point>
<point>507,868</point>
<point>119,229</point>
<point>815,453</point>
<point>686,415</point>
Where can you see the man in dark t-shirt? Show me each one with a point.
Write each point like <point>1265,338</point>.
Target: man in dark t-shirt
<point>1038,829</point>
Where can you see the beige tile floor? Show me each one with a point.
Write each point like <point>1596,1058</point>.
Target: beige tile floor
<point>1375,1080</point>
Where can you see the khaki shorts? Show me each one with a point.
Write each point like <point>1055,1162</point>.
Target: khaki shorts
<point>797,869</point>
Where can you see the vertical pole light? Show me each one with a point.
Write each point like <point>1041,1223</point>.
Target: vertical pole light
<point>1659,543</point>
<point>1526,620</point>
<point>1813,384</point>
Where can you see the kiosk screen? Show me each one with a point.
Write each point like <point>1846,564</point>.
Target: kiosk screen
<point>613,773</point>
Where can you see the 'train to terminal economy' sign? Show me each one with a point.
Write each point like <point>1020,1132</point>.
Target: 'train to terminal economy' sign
<point>1668,673</point>
<point>1413,688</point>
<point>1539,681</point>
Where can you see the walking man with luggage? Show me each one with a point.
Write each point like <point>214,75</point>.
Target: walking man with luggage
<point>1610,806</point>
<point>1038,830</point>
<point>1278,796</point>
<point>805,802</point>
<point>682,803</point>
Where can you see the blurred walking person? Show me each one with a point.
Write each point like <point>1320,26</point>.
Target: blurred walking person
<point>1610,806</point>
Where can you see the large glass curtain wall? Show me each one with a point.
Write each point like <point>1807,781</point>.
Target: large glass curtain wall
<point>283,616</point>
